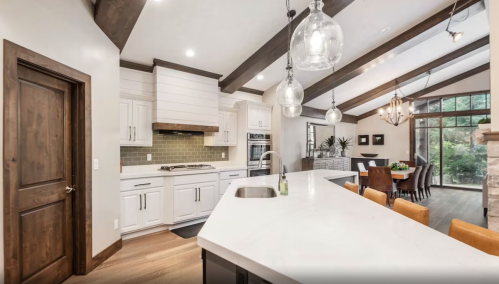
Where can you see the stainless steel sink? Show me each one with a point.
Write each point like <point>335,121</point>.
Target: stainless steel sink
<point>255,192</point>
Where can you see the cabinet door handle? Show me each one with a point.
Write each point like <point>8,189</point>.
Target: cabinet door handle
<point>196,191</point>
<point>130,132</point>
<point>140,196</point>
<point>199,198</point>
<point>227,134</point>
<point>145,200</point>
<point>134,134</point>
<point>234,175</point>
<point>142,184</point>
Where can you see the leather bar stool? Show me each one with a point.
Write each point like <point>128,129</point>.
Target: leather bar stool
<point>353,187</point>
<point>475,236</point>
<point>410,210</point>
<point>411,185</point>
<point>376,196</point>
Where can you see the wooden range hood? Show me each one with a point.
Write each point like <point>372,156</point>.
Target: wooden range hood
<point>183,127</point>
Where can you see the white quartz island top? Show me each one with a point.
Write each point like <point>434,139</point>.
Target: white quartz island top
<point>323,233</point>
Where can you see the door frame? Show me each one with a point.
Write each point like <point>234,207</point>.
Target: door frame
<point>82,156</point>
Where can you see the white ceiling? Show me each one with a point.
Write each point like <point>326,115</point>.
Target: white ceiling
<point>474,28</point>
<point>222,33</point>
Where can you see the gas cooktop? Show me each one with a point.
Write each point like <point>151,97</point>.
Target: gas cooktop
<point>177,168</point>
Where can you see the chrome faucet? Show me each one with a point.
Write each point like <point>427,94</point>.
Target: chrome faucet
<point>281,168</point>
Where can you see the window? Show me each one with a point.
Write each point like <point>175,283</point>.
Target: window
<point>449,104</point>
<point>462,103</point>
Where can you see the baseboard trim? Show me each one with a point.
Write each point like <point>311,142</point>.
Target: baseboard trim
<point>106,253</point>
<point>141,233</point>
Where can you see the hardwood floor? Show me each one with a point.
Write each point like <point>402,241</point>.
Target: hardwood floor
<point>446,204</point>
<point>167,258</point>
<point>157,258</point>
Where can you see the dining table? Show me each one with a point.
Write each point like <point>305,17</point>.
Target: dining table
<point>397,175</point>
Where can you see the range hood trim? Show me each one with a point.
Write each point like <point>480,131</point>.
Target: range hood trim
<point>184,127</point>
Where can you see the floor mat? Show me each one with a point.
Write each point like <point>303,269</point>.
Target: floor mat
<point>189,231</point>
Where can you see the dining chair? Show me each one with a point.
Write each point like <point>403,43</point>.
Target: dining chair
<point>353,187</point>
<point>364,181</point>
<point>380,178</point>
<point>372,163</point>
<point>421,182</point>
<point>480,238</point>
<point>409,163</point>
<point>416,212</point>
<point>411,184</point>
<point>376,196</point>
<point>429,179</point>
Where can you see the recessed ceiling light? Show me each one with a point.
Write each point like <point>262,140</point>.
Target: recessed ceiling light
<point>259,77</point>
<point>190,53</point>
<point>385,30</point>
<point>157,0</point>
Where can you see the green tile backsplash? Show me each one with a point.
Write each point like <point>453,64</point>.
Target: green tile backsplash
<point>170,149</point>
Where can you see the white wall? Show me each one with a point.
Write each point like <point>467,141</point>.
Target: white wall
<point>228,100</point>
<point>294,137</point>
<point>65,31</point>
<point>478,82</point>
<point>396,146</point>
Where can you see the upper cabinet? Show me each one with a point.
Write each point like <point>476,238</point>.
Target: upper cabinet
<point>259,117</point>
<point>135,123</point>
<point>227,134</point>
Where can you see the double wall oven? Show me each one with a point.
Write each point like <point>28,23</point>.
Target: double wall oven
<point>257,145</point>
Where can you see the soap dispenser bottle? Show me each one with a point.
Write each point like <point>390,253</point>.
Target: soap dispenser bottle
<point>283,185</point>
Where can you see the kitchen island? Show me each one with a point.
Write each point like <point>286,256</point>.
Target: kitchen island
<point>323,233</point>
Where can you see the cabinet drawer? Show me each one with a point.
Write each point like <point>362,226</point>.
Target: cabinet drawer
<point>224,184</point>
<point>141,183</point>
<point>189,179</point>
<point>233,174</point>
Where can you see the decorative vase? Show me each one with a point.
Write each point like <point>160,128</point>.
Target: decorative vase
<point>484,126</point>
<point>343,153</point>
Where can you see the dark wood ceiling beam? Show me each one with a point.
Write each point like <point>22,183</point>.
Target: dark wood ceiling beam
<point>116,18</point>
<point>187,69</point>
<point>136,66</point>
<point>410,77</point>
<point>273,49</point>
<point>320,114</point>
<point>251,91</point>
<point>397,45</point>
<point>433,88</point>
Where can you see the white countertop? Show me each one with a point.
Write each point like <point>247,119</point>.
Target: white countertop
<point>130,172</point>
<point>323,233</point>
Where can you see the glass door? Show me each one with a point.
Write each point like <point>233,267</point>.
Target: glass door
<point>427,135</point>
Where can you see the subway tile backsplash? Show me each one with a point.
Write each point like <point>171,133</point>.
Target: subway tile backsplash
<point>169,149</point>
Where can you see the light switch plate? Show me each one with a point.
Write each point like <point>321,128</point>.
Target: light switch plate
<point>223,155</point>
<point>96,164</point>
<point>116,224</point>
<point>149,157</point>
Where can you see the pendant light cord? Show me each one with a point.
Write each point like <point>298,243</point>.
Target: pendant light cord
<point>422,91</point>
<point>289,66</point>
<point>332,93</point>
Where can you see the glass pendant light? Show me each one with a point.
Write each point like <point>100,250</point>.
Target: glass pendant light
<point>333,115</point>
<point>289,92</point>
<point>292,111</point>
<point>317,42</point>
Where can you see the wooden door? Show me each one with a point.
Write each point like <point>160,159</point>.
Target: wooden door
<point>184,199</point>
<point>142,123</point>
<point>266,118</point>
<point>153,209</point>
<point>131,210</point>
<point>44,208</point>
<point>231,127</point>
<point>207,200</point>
<point>126,131</point>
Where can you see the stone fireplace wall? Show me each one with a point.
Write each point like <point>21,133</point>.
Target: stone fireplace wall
<point>493,184</point>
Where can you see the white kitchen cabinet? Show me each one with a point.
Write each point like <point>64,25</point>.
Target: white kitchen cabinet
<point>184,198</point>
<point>153,209</point>
<point>227,133</point>
<point>131,210</point>
<point>259,117</point>
<point>207,200</point>
<point>135,123</point>
<point>194,200</point>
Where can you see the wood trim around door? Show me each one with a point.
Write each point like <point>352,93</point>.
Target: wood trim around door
<point>82,153</point>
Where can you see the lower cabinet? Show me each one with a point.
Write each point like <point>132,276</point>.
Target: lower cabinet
<point>141,209</point>
<point>194,200</point>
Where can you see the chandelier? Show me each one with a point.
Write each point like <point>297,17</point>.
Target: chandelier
<point>394,114</point>
<point>317,42</point>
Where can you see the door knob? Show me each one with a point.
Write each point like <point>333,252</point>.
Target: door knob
<point>69,189</point>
